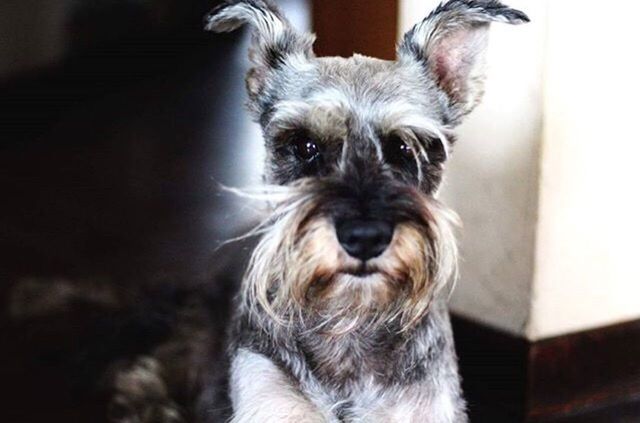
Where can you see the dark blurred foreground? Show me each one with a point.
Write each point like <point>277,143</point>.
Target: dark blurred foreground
<point>118,119</point>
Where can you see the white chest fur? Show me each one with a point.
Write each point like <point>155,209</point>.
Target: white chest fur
<point>261,392</point>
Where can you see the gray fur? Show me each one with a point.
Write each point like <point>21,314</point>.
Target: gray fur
<point>361,376</point>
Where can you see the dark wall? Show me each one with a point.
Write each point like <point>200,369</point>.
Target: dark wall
<point>366,27</point>
<point>37,33</point>
<point>110,156</point>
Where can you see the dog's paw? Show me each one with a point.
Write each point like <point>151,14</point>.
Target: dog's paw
<point>141,395</point>
<point>122,410</point>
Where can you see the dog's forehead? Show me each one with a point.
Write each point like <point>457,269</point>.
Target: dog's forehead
<point>372,90</point>
<point>369,80</point>
<point>353,70</point>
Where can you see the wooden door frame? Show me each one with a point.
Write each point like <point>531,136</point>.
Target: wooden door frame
<point>344,27</point>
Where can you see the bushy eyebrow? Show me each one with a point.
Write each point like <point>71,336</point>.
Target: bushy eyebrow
<point>324,120</point>
<point>399,117</point>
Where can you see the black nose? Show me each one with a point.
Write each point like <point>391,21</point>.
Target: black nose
<point>364,239</point>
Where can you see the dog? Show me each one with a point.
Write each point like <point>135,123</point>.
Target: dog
<point>342,312</point>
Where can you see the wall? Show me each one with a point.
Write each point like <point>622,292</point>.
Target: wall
<point>361,26</point>
<point>544,176</point>
<point>31,33</point>
<point>587,272</point>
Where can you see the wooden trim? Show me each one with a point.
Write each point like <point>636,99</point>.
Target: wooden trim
<point>590,369</point>
<point>588,376</point>
<point>345,27</point>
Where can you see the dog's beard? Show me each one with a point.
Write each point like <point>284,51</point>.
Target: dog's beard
<point>298,272</point>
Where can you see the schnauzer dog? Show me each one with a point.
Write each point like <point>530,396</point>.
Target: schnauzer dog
<point>341,315</point>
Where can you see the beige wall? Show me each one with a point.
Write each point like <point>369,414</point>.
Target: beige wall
<point>587,255</point>
<point>545,175</point>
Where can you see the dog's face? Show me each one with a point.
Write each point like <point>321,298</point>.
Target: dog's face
<point>361,144</point>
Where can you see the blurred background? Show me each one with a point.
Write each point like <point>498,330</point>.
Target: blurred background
<point>118,119</point>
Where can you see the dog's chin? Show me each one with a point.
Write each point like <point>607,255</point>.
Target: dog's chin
<point>358,290</point>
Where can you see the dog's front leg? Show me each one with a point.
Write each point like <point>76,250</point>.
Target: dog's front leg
<point>262,393</point>
<point>417,404</point>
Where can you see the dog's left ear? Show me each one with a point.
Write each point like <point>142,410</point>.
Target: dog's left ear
<point>450,46</point>
<point>275,43</point>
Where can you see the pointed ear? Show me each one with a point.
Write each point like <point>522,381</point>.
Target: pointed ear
<point>450,45</point>
<point>274,41</point>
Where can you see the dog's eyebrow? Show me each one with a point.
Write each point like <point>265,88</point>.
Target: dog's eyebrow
<point>324,118</point>
<point>330,98</point>
<point>399,118</point>
<point>289,111</point>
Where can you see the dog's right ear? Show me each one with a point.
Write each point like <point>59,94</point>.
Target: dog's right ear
<point>275,43</point>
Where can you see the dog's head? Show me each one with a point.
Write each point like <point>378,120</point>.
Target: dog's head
<point>361,145</point>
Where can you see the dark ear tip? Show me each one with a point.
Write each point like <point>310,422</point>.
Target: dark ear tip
<point>224,18</point>
<point>208,21</point>
<point>229,15</point>
<point>497,9</point>
<point>519,17</point>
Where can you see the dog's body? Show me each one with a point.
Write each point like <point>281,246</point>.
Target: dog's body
<point>368,376</point>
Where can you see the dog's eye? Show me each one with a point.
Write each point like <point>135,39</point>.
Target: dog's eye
<point>397,151</point>
<point>305,149</point>
<point>435,151</point>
